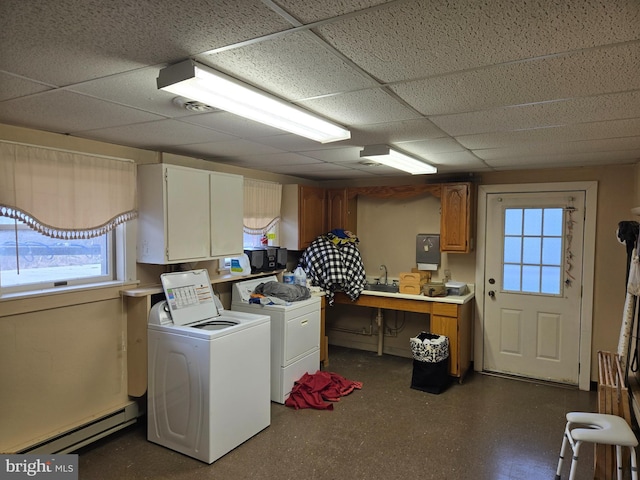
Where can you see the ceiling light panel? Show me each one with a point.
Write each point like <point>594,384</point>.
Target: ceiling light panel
<point>195,81</point>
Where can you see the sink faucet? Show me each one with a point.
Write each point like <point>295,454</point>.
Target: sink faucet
<point>384,267</point>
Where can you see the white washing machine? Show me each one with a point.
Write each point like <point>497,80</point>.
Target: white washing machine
<point>295,335</point>
<point>208,370</point>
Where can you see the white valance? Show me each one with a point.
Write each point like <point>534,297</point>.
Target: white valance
<point>65,194</point>
<point>261,205</point>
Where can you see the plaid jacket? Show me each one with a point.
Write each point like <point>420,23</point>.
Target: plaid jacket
<point>334,267</point>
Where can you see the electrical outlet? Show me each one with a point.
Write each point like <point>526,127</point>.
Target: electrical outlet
<point>447,275</point>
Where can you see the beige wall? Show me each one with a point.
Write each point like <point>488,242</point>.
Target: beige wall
<point>62,364</point>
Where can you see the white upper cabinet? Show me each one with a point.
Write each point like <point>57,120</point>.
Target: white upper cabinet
<point>187,215</point>
<point>227,212</point>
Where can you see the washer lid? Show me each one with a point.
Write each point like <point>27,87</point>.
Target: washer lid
<point>189,296</point>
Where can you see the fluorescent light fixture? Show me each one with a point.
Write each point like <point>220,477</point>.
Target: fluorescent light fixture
<point>396,159</point>
<point>198,82</point>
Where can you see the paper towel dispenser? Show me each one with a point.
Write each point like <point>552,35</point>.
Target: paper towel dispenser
<point>428,251</point>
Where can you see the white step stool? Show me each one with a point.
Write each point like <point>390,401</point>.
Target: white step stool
<point>598,428</point>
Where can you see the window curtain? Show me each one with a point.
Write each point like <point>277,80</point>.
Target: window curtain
<point>65,194</point>
<point>261,205</point>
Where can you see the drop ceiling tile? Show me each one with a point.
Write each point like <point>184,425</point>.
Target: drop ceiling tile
<point>15,87</point>
<point>282,66</point>
<point>137,89</point>
<point>431,146</point>
<point>309,11</point>
<point>70,41</point>
<point>584,159</point>
<point>459,160</point>
<point>587,146</point>
<point>341,155</point>
<point>395,132</point>
<point>66,112</point>
<point>227,148</point>
<point>278,159</point>
<point>295,143</point>
<point>361,108</point>
<point>568,133</point>
<point>336,172</point>
<point>584,73</point>
<point>561,112</point>
<point>447,36</point>
<point>157,135</point>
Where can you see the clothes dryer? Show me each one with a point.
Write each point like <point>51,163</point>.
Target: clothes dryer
<point>208,370</point>
<point>295,335</point>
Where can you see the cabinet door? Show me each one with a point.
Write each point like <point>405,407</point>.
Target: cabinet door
<point>187,210</point>
<point>448,326</point>
<point>455,221</point>
<point>341,210</point>
<point>227,210</point>
<point>311,214</point>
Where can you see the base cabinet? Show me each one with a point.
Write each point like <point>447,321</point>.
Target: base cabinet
<point>454,322</point>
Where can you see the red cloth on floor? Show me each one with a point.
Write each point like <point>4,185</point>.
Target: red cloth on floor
<point>311,391</point>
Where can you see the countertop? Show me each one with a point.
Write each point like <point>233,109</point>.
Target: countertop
<point>456,299</point>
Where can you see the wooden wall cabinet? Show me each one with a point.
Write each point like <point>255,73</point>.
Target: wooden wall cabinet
<point>187,215</point>
<point>456,226</point>
<point>303,215</point>
<point>342,210</point>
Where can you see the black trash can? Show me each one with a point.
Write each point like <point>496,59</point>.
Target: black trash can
<point>430,363</point>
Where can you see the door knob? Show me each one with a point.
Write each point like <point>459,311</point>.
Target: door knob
<point>492,294</point>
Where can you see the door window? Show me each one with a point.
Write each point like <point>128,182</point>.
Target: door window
<point>532,253</point>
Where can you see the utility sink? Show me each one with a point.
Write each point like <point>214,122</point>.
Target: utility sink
<point>379,287</point>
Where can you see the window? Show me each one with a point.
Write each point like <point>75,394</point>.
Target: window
<point>261,212</point>
<point>30,260</point>
<point>62,218</point>
<point>532,254</point>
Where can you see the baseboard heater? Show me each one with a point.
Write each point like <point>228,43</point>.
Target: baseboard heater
<point>79,437</point>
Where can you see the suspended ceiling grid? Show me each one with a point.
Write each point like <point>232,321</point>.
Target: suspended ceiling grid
<point>469,85</point>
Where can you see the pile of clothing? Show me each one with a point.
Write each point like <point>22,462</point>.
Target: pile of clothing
<point>333,262</point>
<point>313,391</point>
<point>276,293</point>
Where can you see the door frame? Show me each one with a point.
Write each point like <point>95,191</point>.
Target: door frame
<point>586,303</point>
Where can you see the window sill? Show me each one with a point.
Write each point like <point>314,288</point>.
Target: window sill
<point>65,290</point>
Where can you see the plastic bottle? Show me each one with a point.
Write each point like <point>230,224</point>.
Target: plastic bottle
<point>300,277</point>
<point>287,277</point>
<point>240,265</point>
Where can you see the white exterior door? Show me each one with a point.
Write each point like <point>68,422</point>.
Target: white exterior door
<point>533,284</point>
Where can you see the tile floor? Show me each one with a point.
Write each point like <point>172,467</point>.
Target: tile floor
<point>487,428</point>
